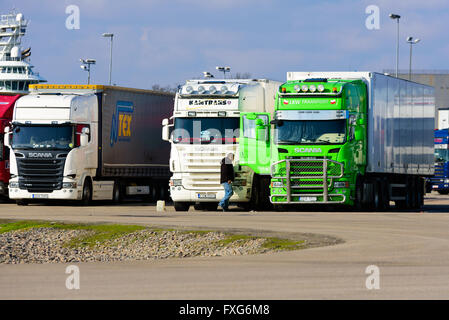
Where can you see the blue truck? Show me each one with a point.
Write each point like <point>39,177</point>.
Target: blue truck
<point>440,181</point>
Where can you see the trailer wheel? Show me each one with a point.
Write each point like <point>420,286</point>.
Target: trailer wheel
<point>377,201</point>
<point>182,206</point>
<point>117,193</point>
<point>87,193</point>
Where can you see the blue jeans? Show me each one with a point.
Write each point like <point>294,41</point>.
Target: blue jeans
<point>224,203</point>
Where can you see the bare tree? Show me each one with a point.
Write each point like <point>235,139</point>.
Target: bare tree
<point>167,88</point>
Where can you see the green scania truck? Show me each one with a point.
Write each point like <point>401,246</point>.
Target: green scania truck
<point>361,139</point>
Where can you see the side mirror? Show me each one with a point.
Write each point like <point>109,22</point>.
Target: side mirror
<point>358,134</point>
<point>85,131</point>
<point>6,140</point>
<point>84,138</point>
<point>165,130</point>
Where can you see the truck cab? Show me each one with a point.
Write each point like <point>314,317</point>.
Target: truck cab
<point>317,141</point>
<point>205,128</point>
<point>440,181</point>
<point>53,145</point>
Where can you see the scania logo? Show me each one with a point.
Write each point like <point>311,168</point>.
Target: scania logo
<point>40,155</point>
<point>308,150</point>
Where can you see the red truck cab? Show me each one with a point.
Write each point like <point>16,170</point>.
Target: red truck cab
<point>6,111</point>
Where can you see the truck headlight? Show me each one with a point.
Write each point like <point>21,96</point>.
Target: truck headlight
<point>446,180</point>
<point>341,184</point>
<point>69,185</point>
<point>277,184</point>
<point>13,184</point>
<point>175,182</point>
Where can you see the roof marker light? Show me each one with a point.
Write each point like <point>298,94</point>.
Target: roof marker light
<point>201,89</point>
<point>224,89</point>
<point>284,90</point>
<point>320,88</point>
<point>312,88</point>
<point>189,89</point>
<point>297,88</point>
<point>212,89</point>
<point>304,88</point>
<point>334,89</point>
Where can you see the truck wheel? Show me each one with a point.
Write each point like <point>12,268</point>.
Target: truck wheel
<point>359,205</point>
<point>117,194</point>
<point>182,206</point>
<point>87,193</point>
<point>22,202</point>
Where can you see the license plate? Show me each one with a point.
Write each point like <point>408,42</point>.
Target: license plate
<point>307,199</point>
<point>40,196</point>
<point>207,195</point>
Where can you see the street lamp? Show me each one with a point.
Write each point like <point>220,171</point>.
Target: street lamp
<point>86,63</point>
<point>207,74</point>
<point>412,42</point>
<point>109,35</point>
<point>224,69</point>
<point>396,17</point>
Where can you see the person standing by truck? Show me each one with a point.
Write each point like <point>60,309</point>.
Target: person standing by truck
<point>226,179</point>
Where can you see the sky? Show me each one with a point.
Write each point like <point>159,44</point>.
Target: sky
<point>166,42</point>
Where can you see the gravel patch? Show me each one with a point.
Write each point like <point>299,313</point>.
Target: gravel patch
<point>50,245</point>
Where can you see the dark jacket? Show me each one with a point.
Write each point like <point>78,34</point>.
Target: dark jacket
<point>226,171</point>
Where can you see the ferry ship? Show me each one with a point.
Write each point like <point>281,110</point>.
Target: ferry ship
<point>16,72</point>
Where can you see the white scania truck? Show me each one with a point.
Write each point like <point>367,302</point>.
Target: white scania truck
<point>204,129</point>
<point>88,142</point>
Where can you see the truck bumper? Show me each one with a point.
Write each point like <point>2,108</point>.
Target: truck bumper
<point>63,194</point>
<point>180,194</point>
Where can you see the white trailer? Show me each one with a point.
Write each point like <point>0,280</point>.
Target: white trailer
<point>205,128</point>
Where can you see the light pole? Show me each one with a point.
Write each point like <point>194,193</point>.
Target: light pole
<point>397,17</point>
<point>111,36</point>
<point>207,74</point>
<point>224,69</point>
<point>86,63</point>
<point>412,42</point>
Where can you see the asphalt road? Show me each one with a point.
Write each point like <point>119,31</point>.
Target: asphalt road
<point>411,250</point>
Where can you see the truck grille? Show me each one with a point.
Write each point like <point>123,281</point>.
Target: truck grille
<point>439,171</point>
<point>40,175</point>
<point>307,177</point>
<point>202,170</point>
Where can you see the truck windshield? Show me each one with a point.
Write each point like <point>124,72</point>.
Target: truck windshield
<point>43,137</point>
<point>206,130</point>
<point>311,132</point>
<point>441,154</point>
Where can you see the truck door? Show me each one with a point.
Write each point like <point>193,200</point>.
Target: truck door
<point>254,141</point>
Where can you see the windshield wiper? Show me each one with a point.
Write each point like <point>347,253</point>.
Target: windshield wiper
<point>288,142</point>
<point>327,142</point>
